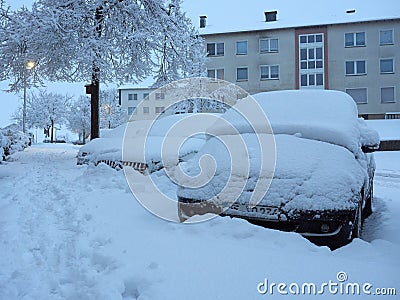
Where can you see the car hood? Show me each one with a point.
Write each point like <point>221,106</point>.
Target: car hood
<point>309,175</point>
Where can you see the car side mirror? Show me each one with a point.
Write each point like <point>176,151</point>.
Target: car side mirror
<point>369,148</point>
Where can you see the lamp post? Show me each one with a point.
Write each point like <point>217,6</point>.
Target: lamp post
<point>28,66</point>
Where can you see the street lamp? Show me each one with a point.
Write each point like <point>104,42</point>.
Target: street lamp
<point>30,64</point>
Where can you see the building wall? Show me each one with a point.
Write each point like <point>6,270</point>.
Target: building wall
<point>230,60</point>
<point>335,56</point>
<point>137,106</point>
<point>372,52</point>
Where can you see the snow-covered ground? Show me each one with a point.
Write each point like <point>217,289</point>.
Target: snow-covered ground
<point>76,232</point>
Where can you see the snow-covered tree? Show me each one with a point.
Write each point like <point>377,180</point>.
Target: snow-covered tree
<point>100,41</point>
<point>78,117</point>
<point>46,109</point>
<point>198,105</point>
<point>111,113</point>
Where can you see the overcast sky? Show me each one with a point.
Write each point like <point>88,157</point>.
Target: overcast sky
<point>229,15</point>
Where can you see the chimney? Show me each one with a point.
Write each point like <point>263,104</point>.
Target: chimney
<point>270,16</point>
<point>203,22</point>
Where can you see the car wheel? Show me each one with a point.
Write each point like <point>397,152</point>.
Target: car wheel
<point>356,233</point>
<point>368,203</point>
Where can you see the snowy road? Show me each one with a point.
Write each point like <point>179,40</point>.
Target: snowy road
<point>76,232</point>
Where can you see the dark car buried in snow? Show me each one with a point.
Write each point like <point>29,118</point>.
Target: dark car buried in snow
<point>322,183</point>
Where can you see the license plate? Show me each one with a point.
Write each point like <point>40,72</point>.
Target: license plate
<point>258,209</point>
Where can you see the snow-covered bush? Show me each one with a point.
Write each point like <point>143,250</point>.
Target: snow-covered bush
<point>4,144</point>
<point>14,141</point>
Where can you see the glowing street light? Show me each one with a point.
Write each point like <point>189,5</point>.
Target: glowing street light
<point>30,64</point>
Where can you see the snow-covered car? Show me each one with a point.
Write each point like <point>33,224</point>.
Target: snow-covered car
<point>322,185</point>
<point>143,147</point>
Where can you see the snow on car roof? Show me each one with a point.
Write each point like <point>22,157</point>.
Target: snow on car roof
<point>323,115</point>
<point>142,144</point>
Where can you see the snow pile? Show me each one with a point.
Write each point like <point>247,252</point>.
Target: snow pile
<point>368,135</point>
<point>328,116</point>
<point>309,175</point>
<point>73,232</point>
<point>144,141</point>
<point>4,142</point>
<point>12,141</point>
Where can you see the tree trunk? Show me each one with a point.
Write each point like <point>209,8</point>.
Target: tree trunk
<point>94,105</point>
<point>52,132</point>
<point>95,88</point>
<point>84,137</point>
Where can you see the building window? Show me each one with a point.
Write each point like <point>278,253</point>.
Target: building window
<point>356,67</point>
<point>386,37</point>
<point>131,110</point>
<point>311,38</point>
<point>159,109</point>
<point>132,96</point>
<point>146,96</point>
<point>269,72</point>
<point>311,58</point>
<point>359,95</point>
<point>312,80</point>
<point>160,96</point>
<point>215,49</point>
<point>241,47</point>
<point>354,39</point>
<point>387,95</point>
<point>386,65</point>
<point>242,73</point>
<point>146,110</point>
<point>268,45</point>
<point>216,73</point>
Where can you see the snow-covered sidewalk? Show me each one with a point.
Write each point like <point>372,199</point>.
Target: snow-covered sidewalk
<point>76,232</point>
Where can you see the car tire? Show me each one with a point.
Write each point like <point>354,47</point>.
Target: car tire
<point>356,232</point>
<point>368,203</point>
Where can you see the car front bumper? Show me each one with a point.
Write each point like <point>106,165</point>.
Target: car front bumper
<point>311,224</point>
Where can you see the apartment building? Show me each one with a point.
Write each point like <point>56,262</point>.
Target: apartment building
<point>357,55</point>
<point>148,103</point>
<point>130,97</point>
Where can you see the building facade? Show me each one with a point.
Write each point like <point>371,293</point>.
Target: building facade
<point>131,97</point>
<point>360,58</point>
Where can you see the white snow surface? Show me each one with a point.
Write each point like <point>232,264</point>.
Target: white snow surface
<point>76,232</point>
<point>142,141</point>
<point>225,16</point>
<point>323,115</point>
<point>319,162</point>
<point>388,129</point>
<point>309,175</point>
<point>4,142</point>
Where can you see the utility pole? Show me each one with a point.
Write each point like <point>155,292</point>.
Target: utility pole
<point>27,66</point>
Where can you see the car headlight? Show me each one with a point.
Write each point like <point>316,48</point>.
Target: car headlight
<point>325,228</point>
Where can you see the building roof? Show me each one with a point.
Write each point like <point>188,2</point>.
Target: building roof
<point>226,16</point>
<point>143,85</point>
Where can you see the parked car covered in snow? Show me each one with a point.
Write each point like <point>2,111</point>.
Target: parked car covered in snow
<point>322,185</point>
<point>143,147</point>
